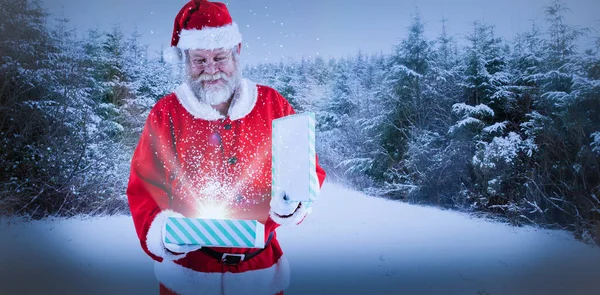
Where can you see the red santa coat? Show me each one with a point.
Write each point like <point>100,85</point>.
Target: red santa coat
<point>189,156</point>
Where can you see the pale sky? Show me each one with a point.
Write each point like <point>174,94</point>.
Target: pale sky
<point>275,30</point>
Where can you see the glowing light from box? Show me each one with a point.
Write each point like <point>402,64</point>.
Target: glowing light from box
<point>213,210</point>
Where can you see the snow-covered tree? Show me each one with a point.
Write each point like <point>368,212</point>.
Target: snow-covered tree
<point>408,100</point>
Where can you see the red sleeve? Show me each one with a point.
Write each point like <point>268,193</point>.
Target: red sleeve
<point>320,173</point>
<point>148,190</point>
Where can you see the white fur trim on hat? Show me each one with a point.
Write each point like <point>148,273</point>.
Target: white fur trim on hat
<point>210,38</point>
<point>242,104</point>
<point>154,238</point>
<point>186,281</point>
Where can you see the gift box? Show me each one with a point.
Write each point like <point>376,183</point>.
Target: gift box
<point>293,157</point>
<point>215,232</point>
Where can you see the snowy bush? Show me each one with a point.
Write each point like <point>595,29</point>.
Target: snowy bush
<point>502,151</point>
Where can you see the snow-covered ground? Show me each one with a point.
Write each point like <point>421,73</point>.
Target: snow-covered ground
<point>351,244</point>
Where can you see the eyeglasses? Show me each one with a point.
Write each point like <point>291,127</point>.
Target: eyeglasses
<point>219,60</point>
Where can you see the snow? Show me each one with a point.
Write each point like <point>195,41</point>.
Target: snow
<point>350,244</point>
<point>464,122</point>
<point>596,142</point>
<point>500,149</point>
<point>496,127</point>
<point>469,111</point>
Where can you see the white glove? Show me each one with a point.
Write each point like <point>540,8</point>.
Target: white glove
<point>177,249</point>
<point>284,211</point>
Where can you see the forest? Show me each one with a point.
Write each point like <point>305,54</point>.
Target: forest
<point>503,129</point>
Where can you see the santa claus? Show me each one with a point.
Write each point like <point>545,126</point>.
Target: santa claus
<point>206,149</point>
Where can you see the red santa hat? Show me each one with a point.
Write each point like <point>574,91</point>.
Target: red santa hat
<point>202,24</point>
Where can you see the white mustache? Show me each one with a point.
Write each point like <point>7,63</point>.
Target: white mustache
<point>209,77</point>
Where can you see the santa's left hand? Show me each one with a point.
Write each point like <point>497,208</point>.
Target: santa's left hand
<point>284,212</point>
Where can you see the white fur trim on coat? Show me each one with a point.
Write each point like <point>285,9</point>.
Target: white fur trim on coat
<point>154,238</point>
<point>210,38</point>
<point>185,281</point>
<point>244,100</point>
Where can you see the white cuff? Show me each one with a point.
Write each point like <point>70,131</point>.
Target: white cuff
<point>175,248</point>
<point>296,218</point>
<point>154,238</point>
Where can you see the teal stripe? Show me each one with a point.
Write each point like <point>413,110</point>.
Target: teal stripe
<point>168,241</point>
<point>225,233</point>
<point>184,231</point>
<point>248,228</point>
<point>211,232</point>
<point>175,236</point>
<point>197,231</point>
<point>238,232</point>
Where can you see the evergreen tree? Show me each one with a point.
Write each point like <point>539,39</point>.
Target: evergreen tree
<point>408,102</point>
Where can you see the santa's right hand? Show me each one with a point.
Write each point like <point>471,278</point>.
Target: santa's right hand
<point>175,248</point>
<point>280,204</point>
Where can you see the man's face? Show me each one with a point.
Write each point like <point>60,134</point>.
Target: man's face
<point>213,75</point>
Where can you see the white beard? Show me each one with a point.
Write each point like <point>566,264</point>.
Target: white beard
<point>214,94</point>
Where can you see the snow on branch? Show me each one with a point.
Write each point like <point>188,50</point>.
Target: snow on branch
<point>558,97</point>
<point>469,121</point>
<point>502,150</point>
<point>496,127</point>
<point>405,70</point>
<point>596,142</point>
<point>472,111</point>
<point>535,124</point>
<point>536,208</point>
<point>500,78</point>
<point>356,165</point>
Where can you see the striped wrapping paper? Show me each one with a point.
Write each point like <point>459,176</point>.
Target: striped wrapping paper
<point>215,232</point>
<point>294,157</point>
